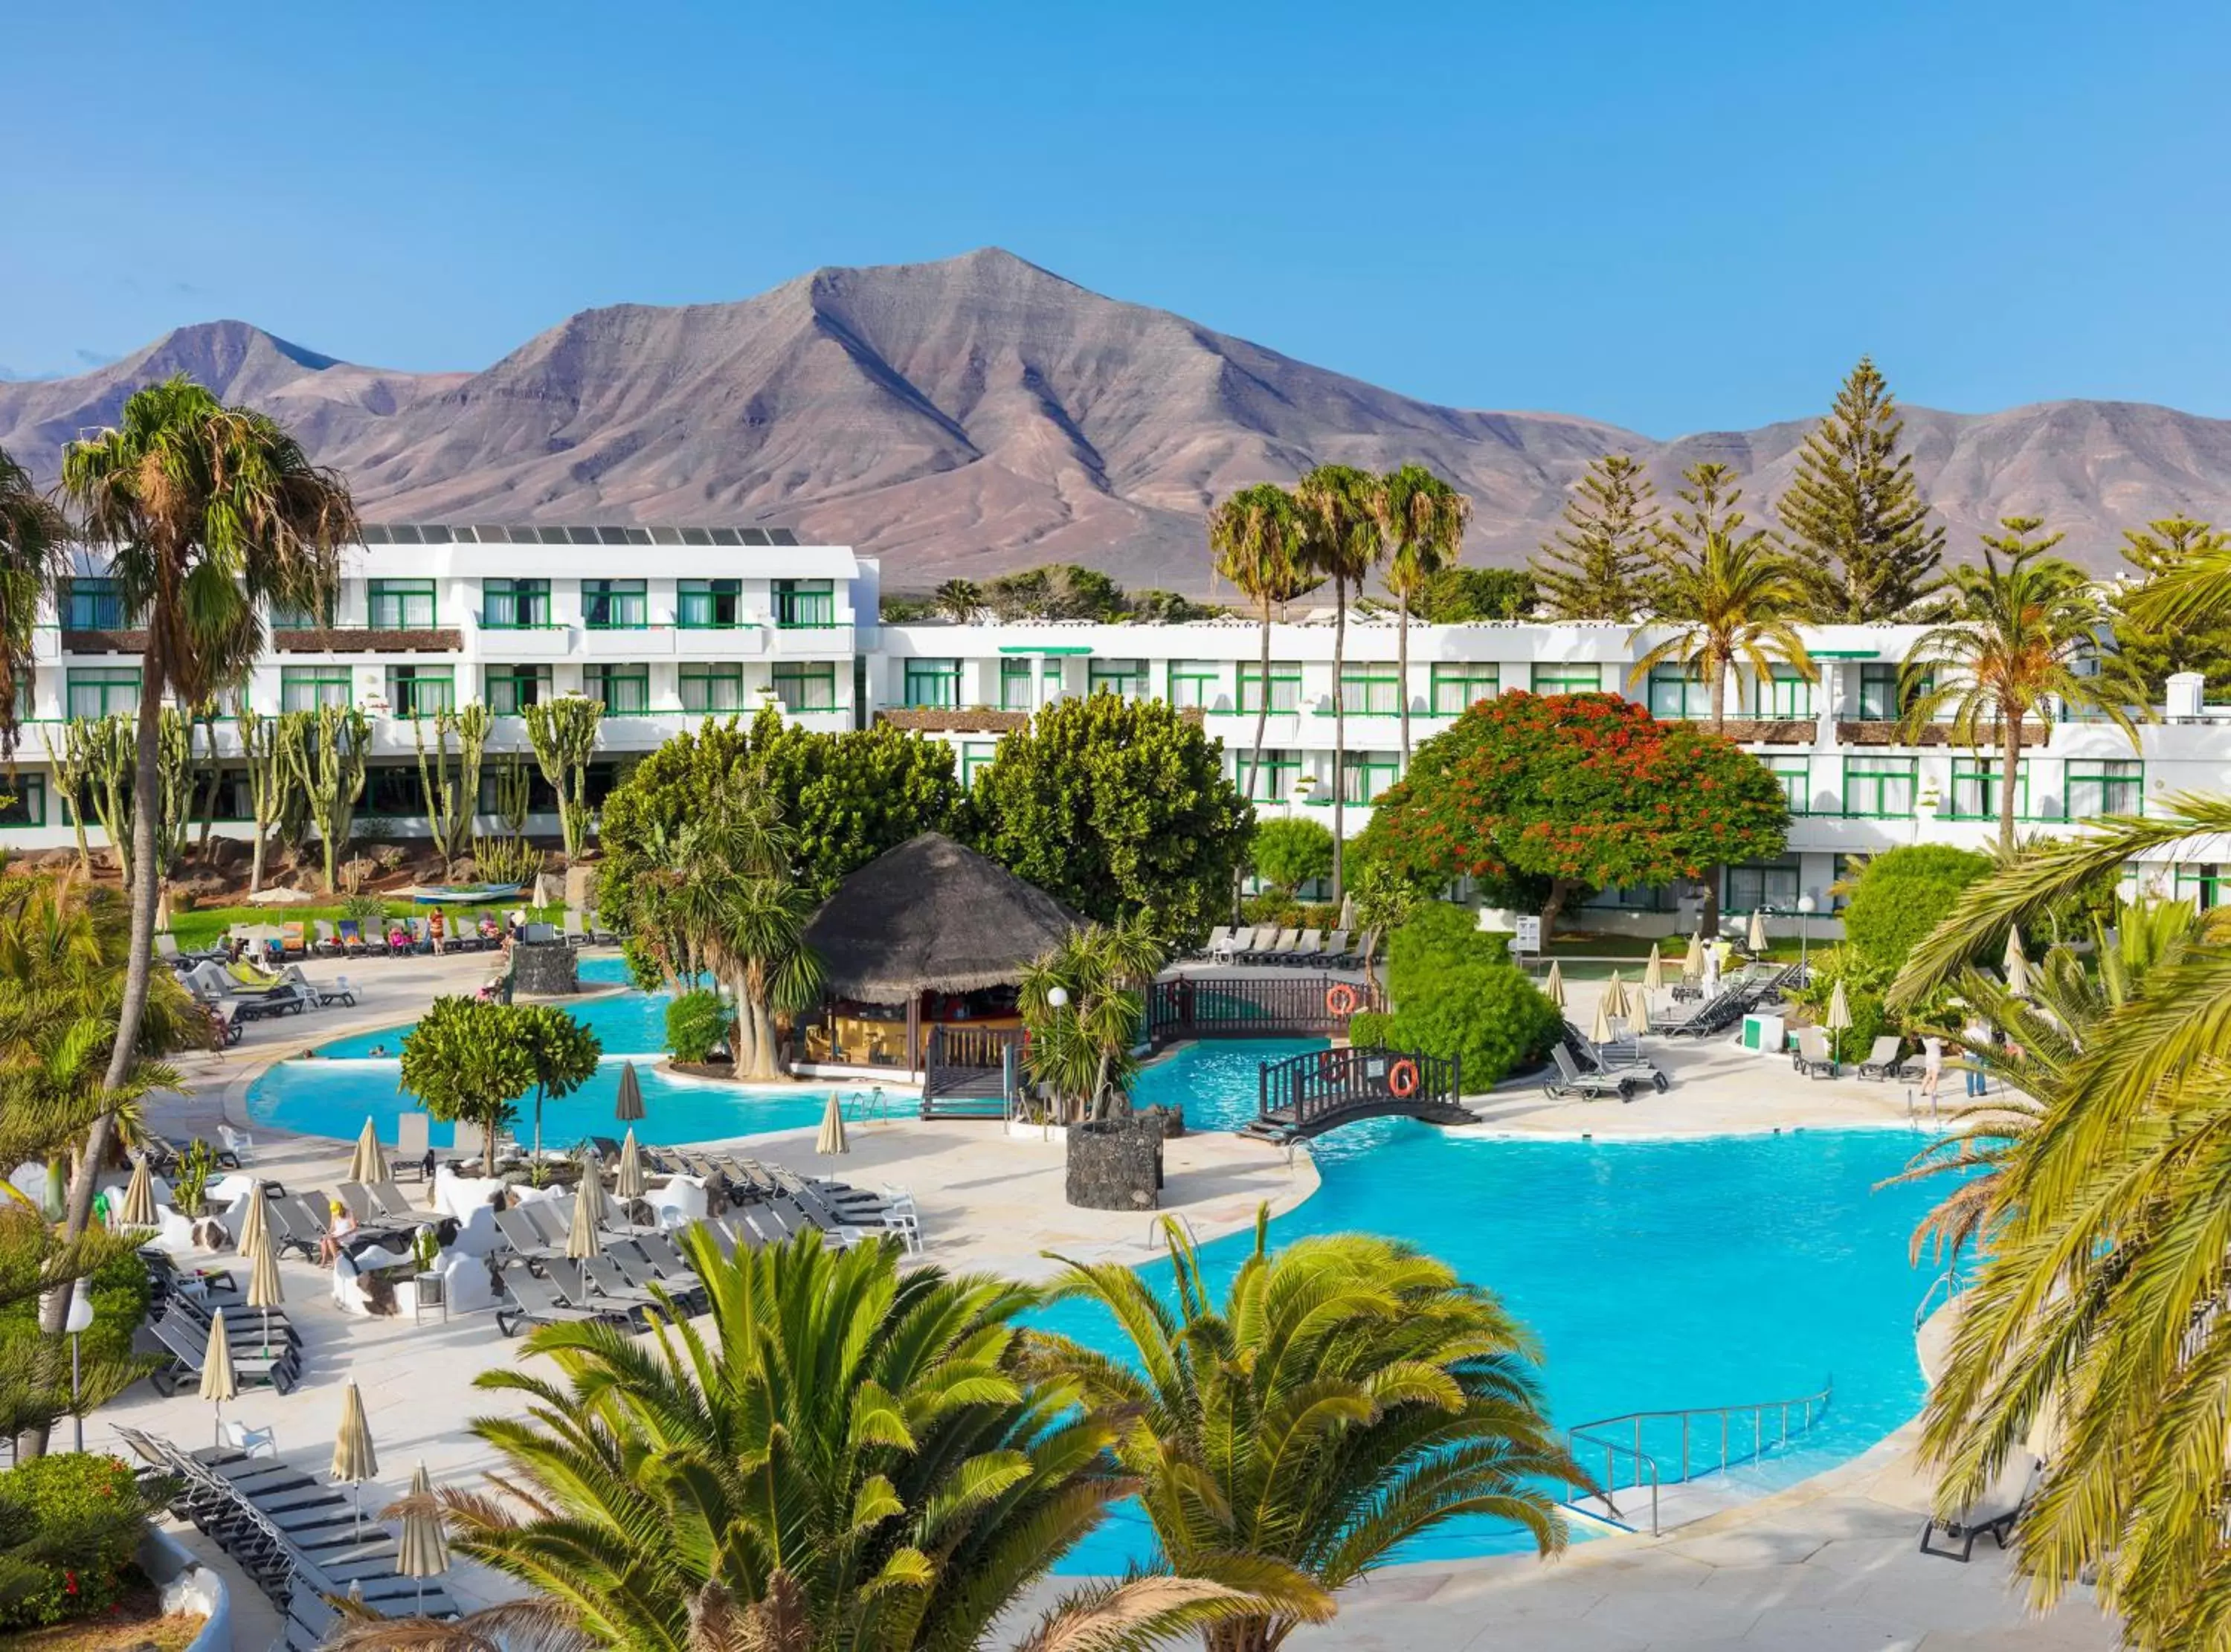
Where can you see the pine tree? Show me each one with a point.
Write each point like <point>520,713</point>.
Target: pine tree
<point>1597,566</point>
<point>1854,513</point>
<point>2154,650</point>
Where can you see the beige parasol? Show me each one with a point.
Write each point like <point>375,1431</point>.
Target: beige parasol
<point>2017,965</point>
<point>1692,962</point>
<point>583,1239</point>
<point>139,1209</point>
<point>1640,1024</point>
<point>1653,972</point>
<point>631,1185</point>
<point>252,1224</point>
<point>628,1107</point>
<point>1757,936</point>
<point>1601,1035</point>
<point>832,1139</point>
<point>354,1460</point>
<point>424,1552</point>
<point>1614,997</point>
<point>263,1291</point>
<point>217,1384</point>
<point>1840,1016</point>
<point>1553,984</point>
<point>163,910</point>
<point>281,898</point>
<point>368,1165</point>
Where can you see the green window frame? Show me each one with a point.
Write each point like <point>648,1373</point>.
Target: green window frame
<point>1675,695</point>
<point>515,604</point>
<point>933,683</point>
<point>805,686</point>
<point>2105,786</point>
<point>708,605</point>
<point>614,605</point>
<point>399,604</point>
<point>1975,789</point>
<point>1796,776</point>
<point>95,691</point>
<point>1366,774</point>
<point>420,691</point>
<point>1880,788</point>
<point>976,755</point>
<point>308,688</point>
<point>1015,685</point>
<point>92,605</point>
<point>1053,676</point>
<point>2199,882</point>
<point>805,605</point>
<point>1784,695</point>
<point>1771,884</point>
<point>1285,685</point>
<point>1125,679</point>
<point>1193,683</point>
<point>1457,687</point>
<point>1878,699</point>
<point>624,689</point>
<point>23,802</point>
<point>1274,782</point>
<point>507,690</point>
<point>1565,677</point>
<point>1371,688</point>
<point>712,687</point>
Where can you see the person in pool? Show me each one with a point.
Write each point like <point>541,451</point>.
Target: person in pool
<point>377,1049</point>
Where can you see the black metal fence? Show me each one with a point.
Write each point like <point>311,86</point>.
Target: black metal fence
<point>1249,1006</point>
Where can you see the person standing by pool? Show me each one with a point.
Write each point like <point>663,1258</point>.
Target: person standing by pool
<point>1976,1038</point>
<point>1932,1067</point>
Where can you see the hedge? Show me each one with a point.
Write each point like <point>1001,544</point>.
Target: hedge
<point>1456,994</point>
<point>1903,895</point>
<point>70,1524</point>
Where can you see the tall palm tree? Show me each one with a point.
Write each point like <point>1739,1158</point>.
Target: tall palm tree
<point>2094,1335</point>
<point>1346,1395</point>
<point>1725,598</point>
<point>851,1456</point>
<point>32,537</point>
<point>1422,520</point>
<point>1340,540</point>
<point>208,513</point>
<point>1256,538</point>
<point>2024,626</point>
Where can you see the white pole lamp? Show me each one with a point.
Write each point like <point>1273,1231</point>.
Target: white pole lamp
<point>1807,906</point>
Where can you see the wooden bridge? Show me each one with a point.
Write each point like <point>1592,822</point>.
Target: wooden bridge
<point>1305,1095</point>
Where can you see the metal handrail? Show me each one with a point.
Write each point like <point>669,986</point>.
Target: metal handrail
<point>1593,1434</point>
<point>1952,1284</point>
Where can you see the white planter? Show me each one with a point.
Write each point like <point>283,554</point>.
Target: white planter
<point>1022,1130</point>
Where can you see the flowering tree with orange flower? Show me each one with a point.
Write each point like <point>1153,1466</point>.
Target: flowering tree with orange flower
<point>1587,791</point>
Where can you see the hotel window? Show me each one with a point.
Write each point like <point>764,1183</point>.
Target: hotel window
<point>1015,685</point>
<point>509,689</point>
<point>294,616</point>
<point>614,605</point>
<point>1125,679</point>
<point>1559,677</point>
<point>92,605</point>
<point>625,690</point>
<point>1674,694</point>
<point>1877,693</point>
<point>100,691</point>
<point>399,604</point>
<point>308,688</point>
<point>1772,884</point>
<point>1784,694</point>
<point>933,682</point>
<point>2201,885</point>
<point>1457,688</point>
<point>23,801</point>
<point>1274,782</point>
<point>807,687</point>
<point>2115,786</point>
<point>515,604</point>
<point>1054,676</point>
<point>1371,689</point>
<point>1878,788</point>
<point>711,687</point>
<point>420,691</point>
<point>805,605</point>
<point>708,605</point>
<point>975,757</point>
<point>1975,789</point>
<point>1285,686</point>
<point>1369,773</point>
<point>1193,682</point>
<point>1796,776</point>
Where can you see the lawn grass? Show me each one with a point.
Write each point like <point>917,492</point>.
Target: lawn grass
<point>205,926</point>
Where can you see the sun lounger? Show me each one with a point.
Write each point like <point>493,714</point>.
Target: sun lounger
<point>350,936</point>
<point>390,1204</point>
<point>411,1147</point>
<point>1570,1081</point>
<point>576,1290</point>
<point>187,1345</point>
<point>532,1301</point>
<point>1611,1061</point>
<point>1882,1059</point>
<point>1814,1057</point>
<point>611,1280</point>
<point>1991,1515</point>
<point>551,1218</point>
<point>1219,949</point>
<point>239,1143</point>
<point>342,992</point>
<point>519,1234</point>
<point>1310,949</point>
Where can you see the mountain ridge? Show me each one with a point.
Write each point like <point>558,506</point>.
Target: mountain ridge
<point>980,413</point>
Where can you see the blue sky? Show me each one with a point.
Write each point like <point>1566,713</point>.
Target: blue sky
<point>1676,217</point>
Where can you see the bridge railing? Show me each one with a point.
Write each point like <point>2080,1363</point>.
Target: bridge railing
<point>1252,1006</point>
<point>1308,1089</point>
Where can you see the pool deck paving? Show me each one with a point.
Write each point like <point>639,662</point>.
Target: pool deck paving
<point>1827,1565</point>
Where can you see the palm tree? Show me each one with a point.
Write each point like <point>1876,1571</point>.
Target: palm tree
<point>1725,598</point>
<point>2094,1335</point>
<point>851,1456</point>
<point>207,513</point>
<point>1422,520</point>
<point>958,600</point>
<point>2021,631</point>
<point>1080,1048</point>
<point>33,533</point>
<point>1347,1394</point>
<point>1340,539</point>
<point>1256,537</point>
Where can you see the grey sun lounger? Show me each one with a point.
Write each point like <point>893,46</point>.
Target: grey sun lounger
<point>533,1302</point>
<point>552,1218</point>
<point>1991,1515</point>
<point>1570,1081</point>
<point>522,1236</point>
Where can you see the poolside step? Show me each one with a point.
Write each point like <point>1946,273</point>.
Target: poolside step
<point>953,1105</point>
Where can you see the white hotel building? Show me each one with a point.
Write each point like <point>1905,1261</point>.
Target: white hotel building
<point>668,624</point>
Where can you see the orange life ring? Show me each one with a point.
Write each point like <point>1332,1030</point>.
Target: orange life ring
<point>1339,998</point>
<point>1402,1077</point>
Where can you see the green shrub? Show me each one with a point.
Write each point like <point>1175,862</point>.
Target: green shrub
<point>1865,983</point>
<point>1904,894</point>
<point>69,1526</point>
<point>1488,1016</point>
<point>120,1295</point>
<point>696,1022</point>
<point>1289,853</point>
<point>1440,936</point>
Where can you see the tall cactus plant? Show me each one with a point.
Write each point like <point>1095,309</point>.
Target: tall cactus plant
<point>563,733</point>
<point>262,741</point>
<point>107,750</point>
<point>452,795</point>
<point>68,756</point>
<point>175,778</point>
<point>325,754</point>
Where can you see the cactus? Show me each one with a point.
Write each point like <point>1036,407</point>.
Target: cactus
<point>262,739</point>
<point>564,734</point>
<point>326,753</point>
<point>452,800</point>
<point>106,753</point>
<point>69,759</point>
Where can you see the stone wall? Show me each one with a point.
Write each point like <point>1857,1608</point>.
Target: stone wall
<point>1116,1165</point>
<point>545,972</point>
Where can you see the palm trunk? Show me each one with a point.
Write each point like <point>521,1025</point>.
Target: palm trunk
<point>1402,646</point>
<point>743,1034</point>
<point>1708,922</point>
<point>1244,1635</point>
<point>1339,733</point>
<point>1262,702</point>
<point>764,1064</point>
<point>2010,745</point>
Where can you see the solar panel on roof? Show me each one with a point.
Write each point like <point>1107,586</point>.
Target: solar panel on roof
<point>582,535</point>
<point>637,535</point>
<point>666,536</point>
<point>374,533</point>
<point>433,533</point>
<point>781,536</point>
<point>726,536</point>
<point>401,533</point>
<point>462,534</point>
<point>491,533</point>
<point>756,536</point>
<point>697,536</point>
<point>551,535</point>
<point>611,536</point>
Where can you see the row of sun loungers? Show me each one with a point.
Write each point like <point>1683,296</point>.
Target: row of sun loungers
<point>1590,1071</point>
<point>1270,944</point>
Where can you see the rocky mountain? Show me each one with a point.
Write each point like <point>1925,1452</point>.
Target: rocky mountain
<point>979,414</point>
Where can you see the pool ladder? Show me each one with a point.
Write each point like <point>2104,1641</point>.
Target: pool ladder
<point>1586,1439</point>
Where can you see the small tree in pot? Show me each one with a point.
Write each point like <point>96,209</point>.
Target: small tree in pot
<point>1083,1004</point>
